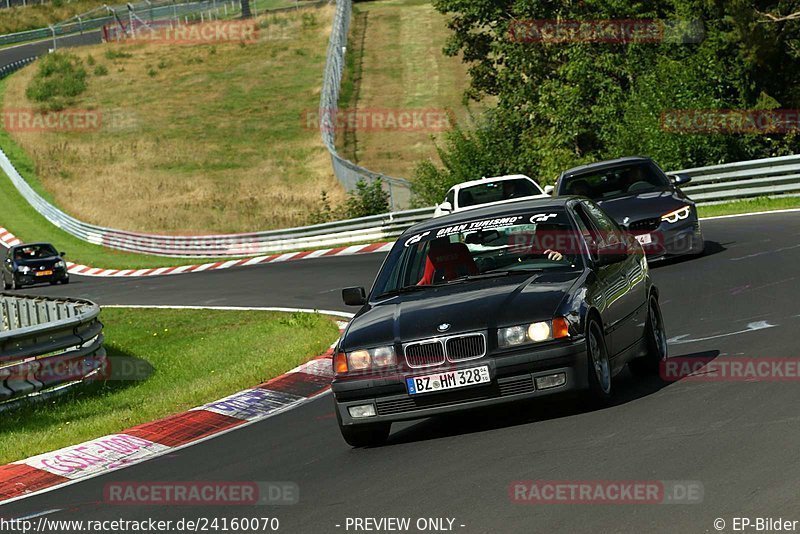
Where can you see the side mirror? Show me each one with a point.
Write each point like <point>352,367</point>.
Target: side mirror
<point>548,189</point>
<point>446,207</point>
<point>354,296</point>
<point>680,179</point>
<point>62,254</point>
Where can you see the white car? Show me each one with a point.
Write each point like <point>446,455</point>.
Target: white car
<point>488,191</point>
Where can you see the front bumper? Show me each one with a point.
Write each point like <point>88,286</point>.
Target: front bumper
<point>677,239</point>
<point>513,378</point>
<point>59,275</point>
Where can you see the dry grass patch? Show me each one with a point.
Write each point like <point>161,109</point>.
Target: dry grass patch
<point>194,138</point>
<point>401,66</point>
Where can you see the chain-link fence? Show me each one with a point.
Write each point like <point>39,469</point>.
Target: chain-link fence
<point>124,16</point>
<point>347,172</point>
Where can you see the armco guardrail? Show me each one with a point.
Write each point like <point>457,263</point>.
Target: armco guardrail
<point>146,11</point>
<point>47,345</point>
<point>745,179</point>
<point>765,177</point>
<point>347,172</point>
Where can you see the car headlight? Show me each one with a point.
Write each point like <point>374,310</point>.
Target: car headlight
<point>364,359</point>
<point>24,269</point>
<point>61,264</point>
<point>533,333</point>
<point>677,215</point>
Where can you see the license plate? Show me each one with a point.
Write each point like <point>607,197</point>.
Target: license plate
<point>644,239</point>
<point>44,273</point>
<point>448,380</point>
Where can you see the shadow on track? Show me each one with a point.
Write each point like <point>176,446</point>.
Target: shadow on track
<point>628,388</point>
<point>711,248</point>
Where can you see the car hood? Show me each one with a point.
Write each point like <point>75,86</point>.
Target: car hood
<point>467,307</point>
<point>643,206</point>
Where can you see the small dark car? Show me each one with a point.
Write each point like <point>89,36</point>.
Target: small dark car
<point>33,263</point>
<point>493,305</point>
<point>637,194</point>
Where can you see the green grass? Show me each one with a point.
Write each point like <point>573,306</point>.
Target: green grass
<point>195,362</point>
<point>749,206</point>
<point>27,224</point>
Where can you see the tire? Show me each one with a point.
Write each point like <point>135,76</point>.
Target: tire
<point>657,348</point>
<point>599,365</point>
<point>65,281</point>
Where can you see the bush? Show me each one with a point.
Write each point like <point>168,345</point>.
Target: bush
<point>322,213</point>
<point>100,70</point>
<point>485,150</point>
<point>367,199</point>
<point>60,78</point>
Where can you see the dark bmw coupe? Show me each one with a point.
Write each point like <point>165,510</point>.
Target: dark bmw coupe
<point>494,305</point>
<point>641,199</point>
<point>33,263</point>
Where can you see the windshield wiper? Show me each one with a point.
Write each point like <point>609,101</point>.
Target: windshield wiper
<point>404,289</point>
<point>496,273</point>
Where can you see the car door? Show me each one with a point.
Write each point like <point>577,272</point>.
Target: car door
<point>629,285</point>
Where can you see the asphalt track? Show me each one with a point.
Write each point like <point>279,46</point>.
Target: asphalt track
<point>38,48</point>
<point>738,439</point>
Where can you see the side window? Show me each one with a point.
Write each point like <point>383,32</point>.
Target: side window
<point>586,227</point>
<point>451,198</point>
<point>609,231</point>
<point>414,266</point>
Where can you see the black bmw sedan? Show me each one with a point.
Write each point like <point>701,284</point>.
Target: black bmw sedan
<point>643,200</point>
<point>33,263</point>
<point>494,305</point>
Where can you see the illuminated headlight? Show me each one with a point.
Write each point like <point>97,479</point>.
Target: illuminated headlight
<point>360,360</point>
<point>60,264</point>
<point>24,269</point>
<point>677,215</point>
<point>533,332</point>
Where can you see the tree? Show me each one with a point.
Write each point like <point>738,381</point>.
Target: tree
<point>574,100</point>
<point>246,13</point>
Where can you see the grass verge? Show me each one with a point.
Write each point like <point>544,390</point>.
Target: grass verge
<point>395,63</point>
<point>195,362</point>
<point>752,205</point>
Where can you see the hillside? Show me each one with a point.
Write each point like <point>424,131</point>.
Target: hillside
<point>194,137</point>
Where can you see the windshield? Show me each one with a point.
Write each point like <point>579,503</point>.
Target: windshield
<point>34,252</point>
<point>496,192</point>
<point>632,179</point>
<point>481,248</point>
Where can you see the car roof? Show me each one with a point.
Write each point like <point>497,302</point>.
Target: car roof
<point>490,211</point>
<point>604,165</point>
<point>492,179</point>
